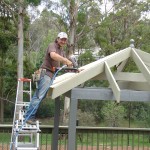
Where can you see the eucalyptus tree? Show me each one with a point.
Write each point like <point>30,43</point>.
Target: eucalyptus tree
<point>16,12</point>
<point>77,18</point>
<point>6,38</point>
<point>88,26</point>
<point>73,17</point>
<point>41,32</point>
<point>126,21</point>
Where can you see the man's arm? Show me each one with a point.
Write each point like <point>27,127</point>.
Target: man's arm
<point>63,60</point>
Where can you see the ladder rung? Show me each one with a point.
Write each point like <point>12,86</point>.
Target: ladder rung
<point>29,131</point>
<point>20,128</point>
<point>24,91</point>
<point>21,148</point>
<point>22,104</point>
<point>27,148</point>
<point>24,79</point>
<point>26,134</point>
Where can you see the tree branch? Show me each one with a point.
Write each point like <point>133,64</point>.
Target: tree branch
<point>10,10</point>
<point>6,100</point>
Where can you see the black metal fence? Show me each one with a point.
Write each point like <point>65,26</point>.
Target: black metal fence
<point>89,138</point>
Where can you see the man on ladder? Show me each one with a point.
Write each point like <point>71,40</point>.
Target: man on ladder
<point>53,57</point>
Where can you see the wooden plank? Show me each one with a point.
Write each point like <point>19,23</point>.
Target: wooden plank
<point>120,56</point>
<point>127,76</point>
<point>121,66</point>
<point>137,86</point>
<point>89,71</point>
<point>140,64</point>
<point>144,56</point>
<point>61,78</point>
<point>123,76</point>
<point>114,86</point>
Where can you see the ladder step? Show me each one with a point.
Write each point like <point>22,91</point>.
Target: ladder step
<point>23,148</point>
<point>26,146</point>
<point>25,134</point>
<point>20,128</point>
<point>24,91</point>
<point>22,104</point>
<point>25,128</point>
<point>29,131</point>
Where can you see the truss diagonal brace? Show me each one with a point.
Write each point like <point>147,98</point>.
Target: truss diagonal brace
<point>140,64</point>
<point>112,82</point>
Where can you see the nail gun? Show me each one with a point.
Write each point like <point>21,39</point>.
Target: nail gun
<point>74,69</point>
<point>73,59</point>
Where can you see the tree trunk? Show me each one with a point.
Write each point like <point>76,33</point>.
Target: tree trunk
<point>1,91</point>
<point>71,47</point>
<point>1,106</point>
<point>20,49</point>
<point>66,111</point>
<point>73,11</point>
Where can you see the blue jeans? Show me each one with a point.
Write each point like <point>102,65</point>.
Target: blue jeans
<point>39,95</point>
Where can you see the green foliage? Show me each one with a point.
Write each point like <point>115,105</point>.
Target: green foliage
<point>137,110</point>
<point>111,32</point>
<point>7,34</point>
<point>82,17</point>
<point>113,114</point>
<point>86,118</point>
<point>86,58</point>
<point>119,27</point>
<point>34,2</point>
<point>46,109</point>
<point>93,107</point>
<point>131,67</point>
<point>29,67</point>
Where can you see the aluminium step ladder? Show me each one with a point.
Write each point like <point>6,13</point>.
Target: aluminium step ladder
<point>24,136</point>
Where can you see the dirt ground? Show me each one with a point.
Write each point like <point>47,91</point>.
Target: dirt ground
<point>100,148</point>
<point>43,147</point>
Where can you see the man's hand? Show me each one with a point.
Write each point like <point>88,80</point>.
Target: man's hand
<point>67,62</point>
<point>64,60</point>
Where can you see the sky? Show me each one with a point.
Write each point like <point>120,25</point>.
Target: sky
<point>35,12</point>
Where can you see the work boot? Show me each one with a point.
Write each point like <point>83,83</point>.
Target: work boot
<point>31,121</point>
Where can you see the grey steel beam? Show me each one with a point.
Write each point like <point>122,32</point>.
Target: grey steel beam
<point>72,122</point>
<point>97,94</point>
<point>107,94</point>
<point>55,133</point>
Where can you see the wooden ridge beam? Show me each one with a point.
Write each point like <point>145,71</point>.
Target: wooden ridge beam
<point>89,71</point>
<point>140,64</point>
<point>113,84</point>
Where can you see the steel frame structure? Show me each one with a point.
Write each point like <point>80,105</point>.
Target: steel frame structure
<point>123,86</point>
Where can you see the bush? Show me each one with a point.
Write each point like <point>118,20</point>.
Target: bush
<point>46,109</point>
<point>86,119</point>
